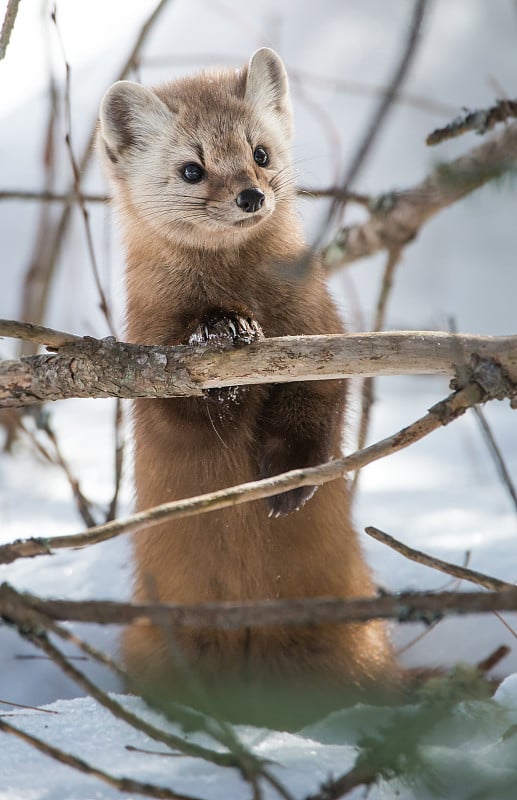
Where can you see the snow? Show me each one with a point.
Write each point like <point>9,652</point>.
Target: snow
<point>464,754</point>
<point>442,495</point>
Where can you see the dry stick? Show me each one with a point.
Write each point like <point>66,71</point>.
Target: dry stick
<point>440,414</point>
<point>463,573</point>
<point>340,194</point>
<point>33,280</point>
<point>36,333</point>
<point>51,197</point>
<point>368,389</point>
<point>400,214</point>
<point>77,183</point>
<point>381,112</point>
<point>107,368</point>
<point>27,708</point>
<point>497,455</point>
<point>453,584</point>
<point>405,607</point>
<point>119,460</point>
<point>82,502</point>
<point>8,25</point>
<point>121,784</point>
<point>35,301</point>
<point>479,121</point>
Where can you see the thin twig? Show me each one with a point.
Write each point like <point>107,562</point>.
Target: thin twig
<point>464,574</point>
<point>119,460</point>
<point>8,25</point>
<point>333,192</point>
<point>36,333</point>
<point>497,455</point>
<point>51,197</point>
<point>368,387</point>
<point>103,304</point>
<point>381,112</point>
<point>26,707</point>
<point>83,504</point>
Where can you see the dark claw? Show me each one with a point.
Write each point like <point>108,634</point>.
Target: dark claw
<point>286,503</point>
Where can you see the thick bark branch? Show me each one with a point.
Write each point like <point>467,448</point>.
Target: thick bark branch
<point>400,215</point>
<point>107,368</point>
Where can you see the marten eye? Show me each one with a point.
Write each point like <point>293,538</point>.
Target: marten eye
<point>192,173</point>
<point>261,156</point>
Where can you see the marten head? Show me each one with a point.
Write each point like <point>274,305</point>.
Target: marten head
<point>203,161</point>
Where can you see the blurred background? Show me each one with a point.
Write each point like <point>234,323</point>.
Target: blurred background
<point>443,495</point>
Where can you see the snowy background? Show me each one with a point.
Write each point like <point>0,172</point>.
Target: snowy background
<point>442,495</point>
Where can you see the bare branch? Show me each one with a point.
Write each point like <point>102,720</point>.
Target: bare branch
<point>400,215</point>
<point>36,333</point>
<point>404,606</point>
<point>107,368</point>
<point>464,574</point>
<point>386,102</point>
<point>8,25</point>
<point>368,389</point>
<point>479,121</point>
<point>51,197</point>
<point>441,414</point>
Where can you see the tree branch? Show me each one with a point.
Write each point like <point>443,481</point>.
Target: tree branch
<point>107,368</point>
<point>487,382</point>
<point>464,574</point>
<point>479,121</point>
<point>8,25</point>
<point>404,607</point>
<point>398,216</point>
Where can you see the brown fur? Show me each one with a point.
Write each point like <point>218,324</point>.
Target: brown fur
<point>185,273</point>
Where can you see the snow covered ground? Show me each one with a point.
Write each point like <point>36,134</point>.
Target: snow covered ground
<point>442,495</point>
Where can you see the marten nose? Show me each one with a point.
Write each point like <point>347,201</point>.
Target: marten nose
<point>250,200</point>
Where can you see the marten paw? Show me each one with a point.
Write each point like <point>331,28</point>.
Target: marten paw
<point>281,504</point>
<point>224,330</point>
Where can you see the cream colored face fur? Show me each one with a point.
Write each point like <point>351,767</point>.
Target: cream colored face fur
<point>215,121</point>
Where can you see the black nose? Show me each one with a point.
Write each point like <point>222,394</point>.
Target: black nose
<point>250,200</point>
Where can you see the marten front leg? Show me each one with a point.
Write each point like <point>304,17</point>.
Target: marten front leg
<point>299,426</point>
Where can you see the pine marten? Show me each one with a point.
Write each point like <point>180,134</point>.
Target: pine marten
<point>202,179</point>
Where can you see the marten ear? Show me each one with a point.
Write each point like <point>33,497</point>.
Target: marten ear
<point>130,115</point>
<point>267,87</point>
